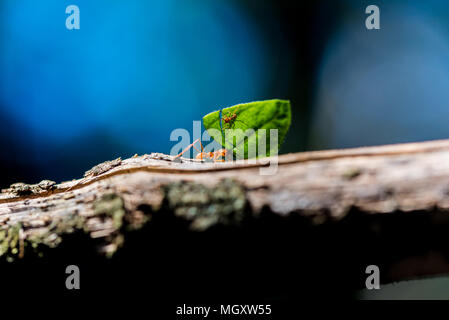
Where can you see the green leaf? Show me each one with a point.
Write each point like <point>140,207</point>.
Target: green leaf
<point>268,114</point>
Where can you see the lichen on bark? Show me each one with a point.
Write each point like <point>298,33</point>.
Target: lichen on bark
<point>225,203</point>
<point>108,210</point>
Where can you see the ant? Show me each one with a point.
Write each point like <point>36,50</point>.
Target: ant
<point>217,156</point>
<point>229,119</point>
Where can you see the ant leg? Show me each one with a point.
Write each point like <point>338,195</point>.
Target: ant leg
<point>232,125</point>
<point>188,148</point>
<point>220,155</point>
<point>201,145</point>
<point>197,149</point>
<point>216,158</point>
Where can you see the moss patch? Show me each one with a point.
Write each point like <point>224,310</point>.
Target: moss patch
<point>224,203</point>
<point>201,206</point>
<point>9,240</point>
<point>112,206</point>
<point>109,206</point>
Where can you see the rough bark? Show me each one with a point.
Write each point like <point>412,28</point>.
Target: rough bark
<point>377,193</point>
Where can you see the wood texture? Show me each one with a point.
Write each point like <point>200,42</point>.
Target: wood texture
<point>324,187</point>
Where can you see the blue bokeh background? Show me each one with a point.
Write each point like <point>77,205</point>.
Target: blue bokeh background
<point>385,86</point>
<point>136,70</point>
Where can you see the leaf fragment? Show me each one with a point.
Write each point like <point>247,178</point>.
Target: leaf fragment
<point>247,125</point>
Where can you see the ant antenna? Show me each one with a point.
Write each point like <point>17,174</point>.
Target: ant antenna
<point>192,145</point>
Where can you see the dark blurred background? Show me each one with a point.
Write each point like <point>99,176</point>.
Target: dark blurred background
<point>136,70</point>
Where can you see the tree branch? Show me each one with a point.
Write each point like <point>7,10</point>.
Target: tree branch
<point>392,199</point>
